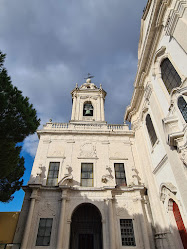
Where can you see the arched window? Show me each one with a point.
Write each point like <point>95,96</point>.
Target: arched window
<point>88,109</point>
<point>151,130</point>
<point>170,76</point>
<point>183,107</point>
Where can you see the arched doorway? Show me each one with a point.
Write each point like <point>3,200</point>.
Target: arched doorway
<point>180,224</point>
<point>86,228</point>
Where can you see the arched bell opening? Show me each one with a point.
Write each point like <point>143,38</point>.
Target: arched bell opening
<point>88,109</point>
<point>86,228</point>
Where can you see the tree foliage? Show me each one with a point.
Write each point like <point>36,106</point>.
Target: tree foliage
<point>18,119</point>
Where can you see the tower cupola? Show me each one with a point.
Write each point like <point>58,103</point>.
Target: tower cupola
<point>88,102</point>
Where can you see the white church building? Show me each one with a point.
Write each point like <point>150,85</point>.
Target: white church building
<point>99,186</point>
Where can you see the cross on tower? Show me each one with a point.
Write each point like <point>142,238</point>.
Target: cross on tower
<point>89,76</point>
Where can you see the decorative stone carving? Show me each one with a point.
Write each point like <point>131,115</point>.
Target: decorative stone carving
<point>67,177</point>
<point>163,194</point>
<point>41,175</point>
<point>88,150</point>
<point>136,124</point>
<point>95,98</point>
<point>84,97</point>
<point>46,208</point>
<point>107,177</point>
<point>88,97</point>
<point>148,91</point>
<point>165,189</point>
<point>183,157</point>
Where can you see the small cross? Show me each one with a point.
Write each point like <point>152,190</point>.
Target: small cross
<point>89,76</point>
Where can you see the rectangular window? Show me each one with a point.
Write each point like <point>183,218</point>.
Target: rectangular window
<point>44,232</point>
<point>120,174</point>
<point>87,174</point>
<point>127,232</point>
<point>52,178</point>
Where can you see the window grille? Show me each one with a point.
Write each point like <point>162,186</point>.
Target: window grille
<point>151,130</point>
<point>52,178</point>
<point>120,174</point>
<point>87,174</point>
<point>127,232</point>
<point>170,76</point>
<point>44,232</point>
<point>183,107</point>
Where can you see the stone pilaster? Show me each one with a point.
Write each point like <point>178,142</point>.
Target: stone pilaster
<point>60,237</point>
<point>29,219</point>
<point>111,224</point>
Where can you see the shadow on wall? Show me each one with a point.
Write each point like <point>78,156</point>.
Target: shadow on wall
<point>103,218</point>
<point>40,178</point>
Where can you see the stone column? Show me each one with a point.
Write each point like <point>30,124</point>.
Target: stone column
<point>60,237</point>
<point>143,226</point>
<point>74,107</point>
<point>102,109</point>
<point>104,234</point>
<point>67,237</point>
<point>29,219</point>
<point>111,224</point>
<point>77,107</point>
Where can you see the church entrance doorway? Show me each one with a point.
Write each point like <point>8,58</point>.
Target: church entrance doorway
<point>86,228</point>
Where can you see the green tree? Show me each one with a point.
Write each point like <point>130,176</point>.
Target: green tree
<point>18,119</point>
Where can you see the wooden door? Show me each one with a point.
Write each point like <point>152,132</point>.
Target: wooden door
<point>180,225</point>
<point>86,241</point>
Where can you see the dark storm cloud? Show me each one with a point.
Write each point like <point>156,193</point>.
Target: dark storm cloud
<point>51,45</point>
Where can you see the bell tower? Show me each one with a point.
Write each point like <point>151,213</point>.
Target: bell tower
<point>88,103</point>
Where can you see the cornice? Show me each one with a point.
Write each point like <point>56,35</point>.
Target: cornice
<point>82,91</point>
<point>146,9</point>
<point>85,128</point>
<point>121,189</point>
<point>85,132</point>
<point>174,16</point>
<point>148,50</point>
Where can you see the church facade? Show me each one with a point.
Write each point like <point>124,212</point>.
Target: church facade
<point>99,186</point>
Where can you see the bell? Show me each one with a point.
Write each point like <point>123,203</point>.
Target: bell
<point>88,112</point>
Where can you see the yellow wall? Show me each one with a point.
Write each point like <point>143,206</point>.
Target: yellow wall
<point>8,223</point>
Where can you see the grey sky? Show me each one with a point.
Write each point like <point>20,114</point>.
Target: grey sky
<point>51,45</point>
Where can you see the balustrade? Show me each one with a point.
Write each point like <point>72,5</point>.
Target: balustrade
<point>69,126</point>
